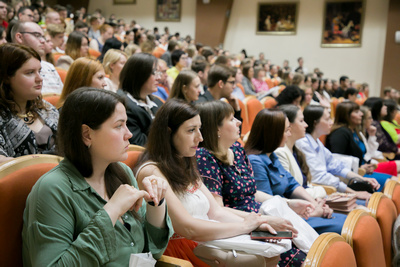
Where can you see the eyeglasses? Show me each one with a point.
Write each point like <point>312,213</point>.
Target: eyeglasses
<point>37,35</point>
<point>231,82</point>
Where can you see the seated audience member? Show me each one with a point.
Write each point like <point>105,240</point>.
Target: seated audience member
<point>111,43</point>
<point>378,111</point>
<point>346,139</point>
<point>321,92</point>
<point>3,35</point>
<point>259,80</point>
<point>52,17</point>
<point>388,121</point>
<point>351,94</point>
<point>179,62</point>
<point>323,167</point>
<point>301,69</point>
<point>363,91</point>
<point>82,27</point>
<point>298,79</point>
<point>238,91</point>
<point>344,83</point>
<point>129,36</point>
<point>25,14</point>
<point>48,48</point>
<point>31,34</point>
<point>138,80</point>
<point>227,172</point>
<point>113,62</point>
<point>28,124</point>
<point>221,81</point>
<point>88,209</point>
<point>248,74</point>
<point>292,94</point>
<point>57,32</point>
<point>164,82</point>
<point>389,93</point>
<point>201,67</point>
<point>208,53</point>
<point>291,158</point>
<point>132,49</point>
<point>170,154</point>
<point>83,72</point>
<point>186,86</point>
<point>76,47</point>
<point>172,46</point>
<point>106,32</point>
<point>270,176</point>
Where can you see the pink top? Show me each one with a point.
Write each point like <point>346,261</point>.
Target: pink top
<point>260,86</point>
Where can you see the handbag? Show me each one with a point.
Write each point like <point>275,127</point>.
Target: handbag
<point>359,185</point>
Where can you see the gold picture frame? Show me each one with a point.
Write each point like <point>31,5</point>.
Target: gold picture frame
<point>124,2</point>
<point>168,10</point>
<point>277,18</point>
<point>343,23</point>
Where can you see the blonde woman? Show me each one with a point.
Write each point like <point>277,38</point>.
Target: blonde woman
<point>113,62</point>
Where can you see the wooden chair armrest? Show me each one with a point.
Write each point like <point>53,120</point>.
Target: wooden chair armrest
<point>328,189</point>
<point>167,261</point>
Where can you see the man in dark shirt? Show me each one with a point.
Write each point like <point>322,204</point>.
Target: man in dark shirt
<point>344,84</point>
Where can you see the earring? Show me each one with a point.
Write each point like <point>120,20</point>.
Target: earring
<point>89,146</point>
<point>219,136</point>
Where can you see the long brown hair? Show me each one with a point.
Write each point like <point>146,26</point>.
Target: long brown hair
<point>12,57</point>
<point>74,43</point>
<point>212,115</point>
<point>80,74</point>
<point>181,172</point>
<point>342,115</point>
<point>184,78</point>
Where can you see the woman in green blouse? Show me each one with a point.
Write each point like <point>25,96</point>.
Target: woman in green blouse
<point>88,211</point>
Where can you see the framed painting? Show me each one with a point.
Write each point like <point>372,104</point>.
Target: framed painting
<point>124,2</point>
<point>343,23</point>
<point>168,10</point>
<point>277,18</point>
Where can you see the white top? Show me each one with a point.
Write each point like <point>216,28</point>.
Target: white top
<point>51,80</point>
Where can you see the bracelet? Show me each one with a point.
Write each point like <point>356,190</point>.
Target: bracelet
<point>151,203</point>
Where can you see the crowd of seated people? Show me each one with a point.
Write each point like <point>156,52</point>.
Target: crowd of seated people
<point>120,83</point>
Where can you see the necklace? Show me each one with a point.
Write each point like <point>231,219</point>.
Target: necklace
<point>28,118</point>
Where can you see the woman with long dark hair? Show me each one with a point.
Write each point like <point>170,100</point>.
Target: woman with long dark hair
<point>88,210</point>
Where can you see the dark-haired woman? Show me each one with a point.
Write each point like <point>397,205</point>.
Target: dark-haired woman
<point>272,178</point>
<point>388,123</point>
<point>291,95</point>
<point>28,124</point>
<point>187,86</point>
<point>378,111</point>
<point>346,139</point>
<point>173,140</point>
<point>138,81</point>
<point>88,211</point>
<point>248,74</point>
<point>323,167</point>
<point>227,172</point>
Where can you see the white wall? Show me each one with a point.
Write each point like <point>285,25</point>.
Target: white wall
<point>363,64</point>
<point>144,14</point>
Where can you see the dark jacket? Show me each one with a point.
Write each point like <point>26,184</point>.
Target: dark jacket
<point>139,120</point>
<point>341,141</point>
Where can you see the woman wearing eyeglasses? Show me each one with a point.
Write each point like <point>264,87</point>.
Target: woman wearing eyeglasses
<point>138,80</point>
<point>27,123</point>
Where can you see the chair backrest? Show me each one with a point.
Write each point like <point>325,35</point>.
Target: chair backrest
<point>94,54</point>
<point>245,118</point>
<point>133,157</point>
<point>361,231</point>
<point>330,250</point>
<point>16,180</point>
<point>253,107</point>
<point>52,98</point>
<point>392,190</point>
<point>384,211</point>
<point>136,148</point>
<point>62,73</point>
<point>269,102</point>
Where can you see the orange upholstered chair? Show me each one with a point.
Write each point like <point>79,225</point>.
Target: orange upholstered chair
<point>51,98</point>
<point>330,250</point>
<point>56,56</point>
<point>253,106</point>
<point>133,157</point>
<point>334,103</point>
<point>360,101</point>
<point>94,54</point>
<point>269,102</point>
<point>384,211</point>
<point>16,180</point>
<point>270,83</point>
<point>363,234</point>
<point>245,118</point>
<point>62,73</point>
<point>392,190</point>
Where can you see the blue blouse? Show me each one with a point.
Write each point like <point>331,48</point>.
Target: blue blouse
<point>271,177</point>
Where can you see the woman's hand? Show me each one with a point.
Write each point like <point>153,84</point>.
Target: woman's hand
<point>125,198</point>
<point>362,194</point>
<point>280,224</point>
<point>301,207</point>
<point>371,130</point>
<point>254,221</point>
<point>156,187</point>
<point>369,168</point>
<point>373,182</point>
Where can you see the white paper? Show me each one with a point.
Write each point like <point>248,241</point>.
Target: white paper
<point>142,260</point>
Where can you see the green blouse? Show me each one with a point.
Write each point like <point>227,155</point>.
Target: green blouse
<point>65,225</point>
<point>391,127</point>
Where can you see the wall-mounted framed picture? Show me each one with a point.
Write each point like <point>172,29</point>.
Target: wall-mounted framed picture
<point>168,10</point>
<point>124,2</point>
<point>277,18</point>
<point>343,23</point>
